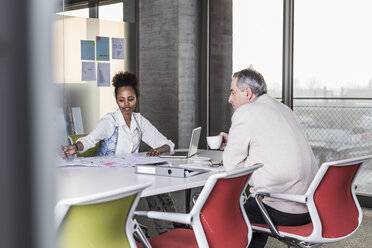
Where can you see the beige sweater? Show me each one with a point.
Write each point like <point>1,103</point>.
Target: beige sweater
<point>266,131</point>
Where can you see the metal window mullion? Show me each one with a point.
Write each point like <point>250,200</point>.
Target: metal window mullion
<point>93,8</point>
<point>287,76</point>
<point>208,66</point>
<point>202,110</point>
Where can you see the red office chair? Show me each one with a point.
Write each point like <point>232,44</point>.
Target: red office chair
<point>333,207</point>
<point>218,218</point>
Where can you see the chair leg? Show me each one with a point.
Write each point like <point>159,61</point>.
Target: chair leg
<point>195,197</point>
<point>140,235</point>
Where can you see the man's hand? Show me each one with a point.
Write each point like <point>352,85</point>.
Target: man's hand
<point>225,137</point>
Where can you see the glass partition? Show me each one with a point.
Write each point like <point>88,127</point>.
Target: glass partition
<point>78,69</point>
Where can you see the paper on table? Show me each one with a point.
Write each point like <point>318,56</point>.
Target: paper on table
<point>202,166</point>
<point>190,173</point>
<point>134,159</point>
<point>108,161</point>
<point>111,161</point>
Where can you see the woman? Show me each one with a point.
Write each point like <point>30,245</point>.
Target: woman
<point>121,133</point>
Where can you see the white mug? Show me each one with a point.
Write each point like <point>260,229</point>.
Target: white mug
<point>214,142</point>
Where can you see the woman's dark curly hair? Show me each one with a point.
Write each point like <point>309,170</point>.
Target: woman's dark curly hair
<point>125,79</point>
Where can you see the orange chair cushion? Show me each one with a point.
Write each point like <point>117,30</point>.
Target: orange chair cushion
<point>177,238</point>
<point>304,230</point>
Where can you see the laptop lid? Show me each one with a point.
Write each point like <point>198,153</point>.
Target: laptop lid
<point>194,142</point>
<point>193,147</point>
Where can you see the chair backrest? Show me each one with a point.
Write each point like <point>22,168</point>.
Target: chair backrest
<point>102,220</point>
<point>221,211</point>
<point>90,152</point>
<point>333,194</point>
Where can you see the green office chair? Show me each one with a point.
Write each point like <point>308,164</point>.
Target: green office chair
<point>100,220</point>
<point>90,152</point>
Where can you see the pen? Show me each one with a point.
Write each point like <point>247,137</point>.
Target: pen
<point>63,149</point>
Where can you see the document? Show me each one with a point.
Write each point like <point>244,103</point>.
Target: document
<point>88,71</point>
<point>202,166</point>
<point>103,74</point>
<point>112,161</point>
<point>87,49</point>
<point>102,48</point>
<point>142,160</point>
<point>104,161</point>
<point>117,48</point>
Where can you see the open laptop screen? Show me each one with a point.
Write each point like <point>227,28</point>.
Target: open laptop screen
<point>193,147</point>
<point>194,142</point>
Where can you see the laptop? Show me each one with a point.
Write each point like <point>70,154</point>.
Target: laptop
<point>193,148</point>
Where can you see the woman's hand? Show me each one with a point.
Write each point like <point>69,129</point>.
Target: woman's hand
<point>153,153</point>
<point>69,150</point>
<point>157,151</point>
<point>225,137</point>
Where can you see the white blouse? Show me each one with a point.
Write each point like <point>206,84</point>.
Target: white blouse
<point>128,138</point>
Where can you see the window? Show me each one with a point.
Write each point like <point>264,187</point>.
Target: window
<point>257,39</point>
<point>333,79</point>
<point>111,12</point>
<point>332,48</point>
<point>107,10</point>
<point>78,13</point>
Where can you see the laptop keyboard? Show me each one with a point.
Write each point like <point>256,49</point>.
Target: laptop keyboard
<point>180,154</point>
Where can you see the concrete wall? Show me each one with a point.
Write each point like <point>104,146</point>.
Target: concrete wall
<point>167,66</point>
<point>220,65</point>
<point>187,71</point>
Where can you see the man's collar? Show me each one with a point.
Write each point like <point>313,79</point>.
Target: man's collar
<point>256,98</point>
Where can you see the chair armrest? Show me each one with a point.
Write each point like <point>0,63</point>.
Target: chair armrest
<point>269,222</point>
<point>174,217</point>
<point>289,197</point>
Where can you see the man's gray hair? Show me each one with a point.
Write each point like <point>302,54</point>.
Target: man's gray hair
<point>252,79</point>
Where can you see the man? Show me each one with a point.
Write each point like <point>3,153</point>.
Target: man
<point>266,131</point>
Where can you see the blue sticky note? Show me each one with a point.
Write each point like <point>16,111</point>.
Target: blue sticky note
<point>102,48</point>
<point>87,49</point>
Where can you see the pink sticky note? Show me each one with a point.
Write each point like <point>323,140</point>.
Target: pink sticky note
<point>111,163</point>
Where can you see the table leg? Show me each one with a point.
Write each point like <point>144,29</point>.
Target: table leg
<point>187,199</point>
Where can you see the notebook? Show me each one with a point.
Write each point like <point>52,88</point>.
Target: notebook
<point>193,148</point>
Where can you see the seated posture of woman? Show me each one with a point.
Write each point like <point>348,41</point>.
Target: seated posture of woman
<point>121,133</point>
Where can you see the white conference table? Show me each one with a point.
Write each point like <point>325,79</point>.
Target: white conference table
<point>74,182</point>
